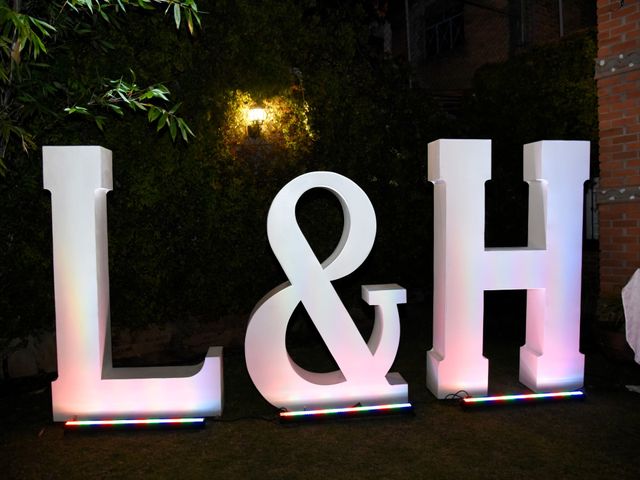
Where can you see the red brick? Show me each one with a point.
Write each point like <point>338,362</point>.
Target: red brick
<point>621,123</point>
<point>609,263</point>
<point>607,82</point>
<point>612,132</point>
<point>619,278</point>
<point>631,76</point>
<point>604,90</point>
<point>609,25</point>
<point>604,51</point>
<point>610,289</point>
<point>625,223</point>
<point>635,163</point>
<point>610,150</point>
<point>624,156</point>
<point>603,35</point>
<point>612,249</point>
<point>629,258</point>
<point>625,139</point>
<point>621,27</point>
<point>602,4</point>
<point>610,45</point>
<point>609,116</point>
<point>620,105</point>
<point>611,281</point>
<point>623,271</point>
<point>606,181</point>
<point>632,180</point>
<point>621,88</point>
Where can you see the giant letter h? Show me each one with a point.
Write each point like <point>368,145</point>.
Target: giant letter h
<point>548,268</point>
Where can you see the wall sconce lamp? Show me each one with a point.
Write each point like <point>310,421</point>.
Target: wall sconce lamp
<point>256,118</point>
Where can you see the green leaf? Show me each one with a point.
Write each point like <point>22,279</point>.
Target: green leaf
<point>43,26</point>
<point>160,91</point>
<point>86,3</point>
<point>139,105</point>
<point>184,129</point>
<point>121,95</point>
<point>154,112</point>
<point>189,22</point>
<point>172,130</point>
<point>176,14</point>
<point>116,108</point>
<point>145,4</point>
<point>99,122</point>
<point>163,120</point>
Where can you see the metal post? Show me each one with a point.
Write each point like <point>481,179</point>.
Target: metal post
<point>560,18</point>
<point>406,16</point>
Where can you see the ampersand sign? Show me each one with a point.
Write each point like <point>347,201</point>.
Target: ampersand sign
<point>363,376</point>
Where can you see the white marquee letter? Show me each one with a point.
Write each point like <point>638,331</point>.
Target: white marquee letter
<point>363,376</point>
<point>88,387</point>
<point>549,267</point>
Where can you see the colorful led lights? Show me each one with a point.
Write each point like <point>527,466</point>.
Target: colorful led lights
<point>169,422</point>
<point>523,398</point>
<point>367,410</point>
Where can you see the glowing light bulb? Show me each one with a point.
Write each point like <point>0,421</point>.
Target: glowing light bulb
<point>257,115</point>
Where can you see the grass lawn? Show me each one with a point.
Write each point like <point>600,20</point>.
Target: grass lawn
<point>594,439</point>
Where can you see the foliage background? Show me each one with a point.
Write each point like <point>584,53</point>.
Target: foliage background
<point>547,93</point>
<point>187,222</point>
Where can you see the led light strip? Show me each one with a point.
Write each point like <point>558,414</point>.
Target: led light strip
<point>347,410</point>
<point>124,422</point>
<point>530,396</point>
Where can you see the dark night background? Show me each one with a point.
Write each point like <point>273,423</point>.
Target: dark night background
<point>356,87</point>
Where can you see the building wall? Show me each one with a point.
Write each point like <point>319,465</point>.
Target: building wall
<point>494,30</point>
<point>486,32</point>
<point>543,24</point>
<point>535,22</point>
<point>618,79</point>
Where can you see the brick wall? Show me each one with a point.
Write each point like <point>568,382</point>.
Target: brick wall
<point>618,78</point>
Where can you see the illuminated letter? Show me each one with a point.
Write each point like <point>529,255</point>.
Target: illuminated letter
<point>363,377</point>
<point>549,267</point>
<point>88,387</point>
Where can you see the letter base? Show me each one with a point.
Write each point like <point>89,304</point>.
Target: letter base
<point>547,373</point>
<point>447,378</point>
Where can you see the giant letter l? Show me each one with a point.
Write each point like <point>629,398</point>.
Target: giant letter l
<point>88,387</point>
